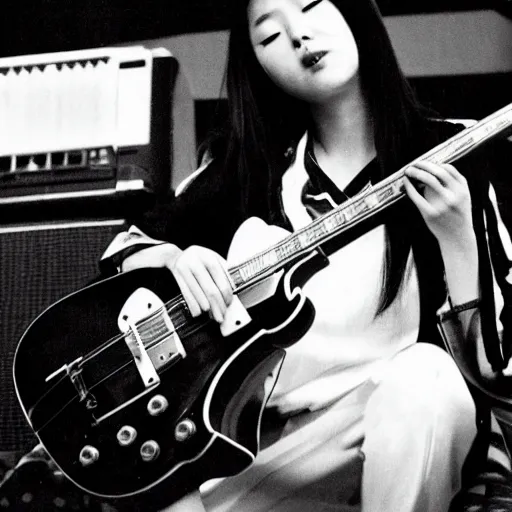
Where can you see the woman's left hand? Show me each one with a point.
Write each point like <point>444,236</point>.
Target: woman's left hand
<point>442,196</point>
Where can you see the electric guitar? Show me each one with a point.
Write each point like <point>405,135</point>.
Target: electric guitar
<point>129,393</point>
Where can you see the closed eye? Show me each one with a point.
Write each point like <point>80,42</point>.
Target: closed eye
<point>269,39</point>
<point>311,5</point>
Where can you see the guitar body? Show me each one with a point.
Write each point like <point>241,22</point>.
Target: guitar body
<point>213,397</point>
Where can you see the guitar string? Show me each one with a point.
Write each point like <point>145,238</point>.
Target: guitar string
<point>435,155</point>
<point>175,301</point>
<point>490,126</point>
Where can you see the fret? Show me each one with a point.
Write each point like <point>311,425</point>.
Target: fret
<point>306,238</point>
<point>282,252</point>
<point>337,218</point>
<point>255,265</point>
<point>371,199</point>
<point>269,258</point>
<point>330,223</point>
<point>285,250</point>
<point>386,193</point>
<point>317,232</point>
<point>362,206</point>
<point>358,208</point>
<point>322,229</point>
<point>348,213</point>
<point>245,272</point>
<point>297,245</point>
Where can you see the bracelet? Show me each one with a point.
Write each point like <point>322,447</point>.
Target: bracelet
<point>463,307</point>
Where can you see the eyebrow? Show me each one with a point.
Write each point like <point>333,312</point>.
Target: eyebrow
<point>263,18</point>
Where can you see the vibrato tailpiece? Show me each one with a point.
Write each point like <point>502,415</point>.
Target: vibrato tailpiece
<point>74,372</point>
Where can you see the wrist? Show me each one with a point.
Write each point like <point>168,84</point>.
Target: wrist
<point>459,308</point>
<point>461,265</point>
<point>463,244</point>
<point>169,254</point>
<point>160,255</point>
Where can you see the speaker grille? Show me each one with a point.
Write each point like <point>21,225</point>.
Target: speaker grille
<point>39,265</point>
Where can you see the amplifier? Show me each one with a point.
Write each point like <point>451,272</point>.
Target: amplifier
<point>40,263</point>
<point>87,124</point>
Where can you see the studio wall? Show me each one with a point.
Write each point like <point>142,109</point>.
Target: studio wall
<point>459,62</point>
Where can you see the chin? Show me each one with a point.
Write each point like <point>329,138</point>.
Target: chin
<point>330,90</point>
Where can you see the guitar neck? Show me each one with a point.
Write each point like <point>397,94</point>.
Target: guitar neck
<point>364,205</point>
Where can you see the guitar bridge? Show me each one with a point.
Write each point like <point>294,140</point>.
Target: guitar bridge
<point>149,334</point>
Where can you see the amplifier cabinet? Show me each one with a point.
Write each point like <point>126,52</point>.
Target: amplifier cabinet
<point>40,263</point>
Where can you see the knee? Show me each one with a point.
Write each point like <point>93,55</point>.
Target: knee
<point>423,385</point>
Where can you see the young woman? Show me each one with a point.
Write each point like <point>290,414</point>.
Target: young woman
<point>369,413</point>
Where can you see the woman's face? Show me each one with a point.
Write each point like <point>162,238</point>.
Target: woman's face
<point>305,46</point>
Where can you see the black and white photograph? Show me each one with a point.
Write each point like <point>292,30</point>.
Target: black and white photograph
<point>256,256</point>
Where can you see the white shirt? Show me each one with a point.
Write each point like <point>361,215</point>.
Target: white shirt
<point>346,343</point>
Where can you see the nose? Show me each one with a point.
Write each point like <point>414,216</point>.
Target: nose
<point>299,41</point>
<point>299,30</point>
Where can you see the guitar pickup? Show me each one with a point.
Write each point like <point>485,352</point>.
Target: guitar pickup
<point>149,334</point>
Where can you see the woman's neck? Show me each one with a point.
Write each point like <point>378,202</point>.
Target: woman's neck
<point>343,136</point>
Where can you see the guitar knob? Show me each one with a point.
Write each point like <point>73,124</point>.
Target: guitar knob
<point>157,405</point>
<point>149,451</point>
<point>184,430</point>
<point>126,435</point>
<point>88,455</point>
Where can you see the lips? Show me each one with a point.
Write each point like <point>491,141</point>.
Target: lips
<point>310,59</point>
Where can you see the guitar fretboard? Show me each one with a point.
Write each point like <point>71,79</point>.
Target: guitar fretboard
<point>319,231</point>
<point>367,203</point>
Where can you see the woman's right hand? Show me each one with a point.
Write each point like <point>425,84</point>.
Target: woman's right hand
<point>201,274</point>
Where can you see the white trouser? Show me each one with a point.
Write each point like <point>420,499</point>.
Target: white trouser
<point>400,438</point>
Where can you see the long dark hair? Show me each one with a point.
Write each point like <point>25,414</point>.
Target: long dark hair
<point>264,121</point>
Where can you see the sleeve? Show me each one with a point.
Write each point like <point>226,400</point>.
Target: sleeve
<point>135,239</point>
<point>123,245</point>
<point>478,334</point>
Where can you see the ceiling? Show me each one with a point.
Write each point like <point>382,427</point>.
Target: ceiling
<point>38,26</point>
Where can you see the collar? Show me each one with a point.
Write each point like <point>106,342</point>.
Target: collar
<point>320,182</point>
